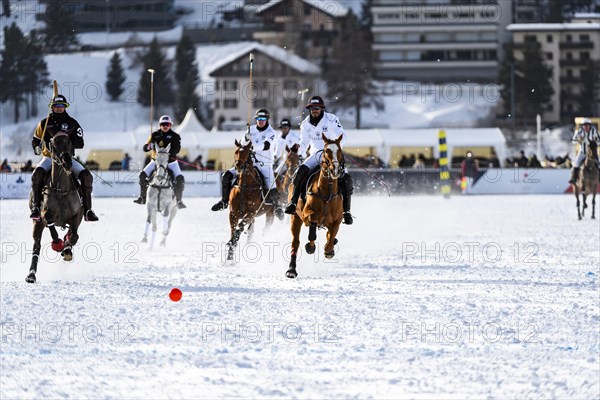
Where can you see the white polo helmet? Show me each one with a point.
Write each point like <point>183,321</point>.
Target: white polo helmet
<point>165,119</point>
<point>586,121</point>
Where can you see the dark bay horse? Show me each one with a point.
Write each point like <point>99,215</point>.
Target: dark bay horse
<point>291,164</point>
<point>246,198</point>
<point>588,180</point>
<point>323,206</point>
<point>61,205</point>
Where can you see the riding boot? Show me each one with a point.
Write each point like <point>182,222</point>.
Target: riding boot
<point>347,189</point>
<point>574,175</point>
<point>178,188</point>
<point>86,193</point>
<point>299,180</point>
<point>143,189</point>
<point>37,184</point>
<point>226,185</point>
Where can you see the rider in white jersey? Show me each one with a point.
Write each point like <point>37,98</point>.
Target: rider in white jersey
<point>262,136</point>
<point>319,123</point>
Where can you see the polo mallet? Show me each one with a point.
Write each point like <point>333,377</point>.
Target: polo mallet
<point>54,94</point>
<point>151,96</point>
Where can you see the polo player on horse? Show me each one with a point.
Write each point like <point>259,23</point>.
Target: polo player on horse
<point>586,134</point>
<point>262,136</point>
<point>59,121</point>
<point>315,125</point>
<point>162,137</point>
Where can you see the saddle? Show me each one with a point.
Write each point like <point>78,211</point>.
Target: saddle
<point>260,176</point>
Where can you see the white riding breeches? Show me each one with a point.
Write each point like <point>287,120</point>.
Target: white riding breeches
<point>266,170</point>
<point>580,158</point>
<point>46,164</point>
<point>173,166</point>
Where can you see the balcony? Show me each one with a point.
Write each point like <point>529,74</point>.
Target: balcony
<point>576,45</point>
<point>573,63</point>
<point>569,79</point>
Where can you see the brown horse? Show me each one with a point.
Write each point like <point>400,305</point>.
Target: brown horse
<point>323,206</point>
<point>588,179</point>
<point>61,205</point>
<point>246,198</point>
<point>291,164</point>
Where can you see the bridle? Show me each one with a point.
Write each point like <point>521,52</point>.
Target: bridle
<point>61,158</point>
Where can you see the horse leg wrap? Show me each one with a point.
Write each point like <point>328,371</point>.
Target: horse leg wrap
<point>312,232</point>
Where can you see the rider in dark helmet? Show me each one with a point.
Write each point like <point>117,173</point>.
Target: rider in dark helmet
<point>59,121</point>
<point>317,123</point>
<point>262,136</point>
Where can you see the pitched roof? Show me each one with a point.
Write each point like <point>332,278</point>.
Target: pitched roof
<point>330,7</point>
<point>275,52</point>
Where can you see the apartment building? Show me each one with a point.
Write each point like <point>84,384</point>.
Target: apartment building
<point>439,41</point>
<point>309,28</point>
<point>567,48</point>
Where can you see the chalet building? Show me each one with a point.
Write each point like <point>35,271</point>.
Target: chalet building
<point>278,77</point>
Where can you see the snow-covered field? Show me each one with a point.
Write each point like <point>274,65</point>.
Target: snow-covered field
<point>471,297</point>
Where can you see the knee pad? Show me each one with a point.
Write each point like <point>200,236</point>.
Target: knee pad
<point>227,177</point>
<point>143,177</point>
<point>301,172</point>
<point>86,178</point>
<point>347,183</point>
<point>180,180</point>
<point>38,176</point>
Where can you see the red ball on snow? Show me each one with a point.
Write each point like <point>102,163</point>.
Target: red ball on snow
<point>175,294</point>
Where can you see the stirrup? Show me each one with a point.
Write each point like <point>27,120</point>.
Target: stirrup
<point>90,216</point>
<point>221,205</point>
<point>290,208</point>
<point>279,213</point>
<point>348,220</point>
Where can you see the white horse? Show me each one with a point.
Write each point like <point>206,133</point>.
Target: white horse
<point>160,197</point>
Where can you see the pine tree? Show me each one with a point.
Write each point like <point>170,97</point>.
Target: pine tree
<point>349,73</point>
<point>115,78</point>
<point>11,69</point>
<point>589,93</point>
<point>187,77</point>
<point>60,31</point>
<point>508,67</point>
<point>35,69</point>
<point>163,92</point>
<point>536,90</point>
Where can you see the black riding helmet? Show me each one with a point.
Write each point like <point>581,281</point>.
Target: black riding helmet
<point>315,101</point>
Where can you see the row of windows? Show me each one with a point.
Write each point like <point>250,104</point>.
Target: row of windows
<point>438,55</point>
<point>435,37</point>
<point>583,56</point>
<point>233,85</point>
<point>257,103</point>
<point>550,38</point>
<point>450,15</point>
